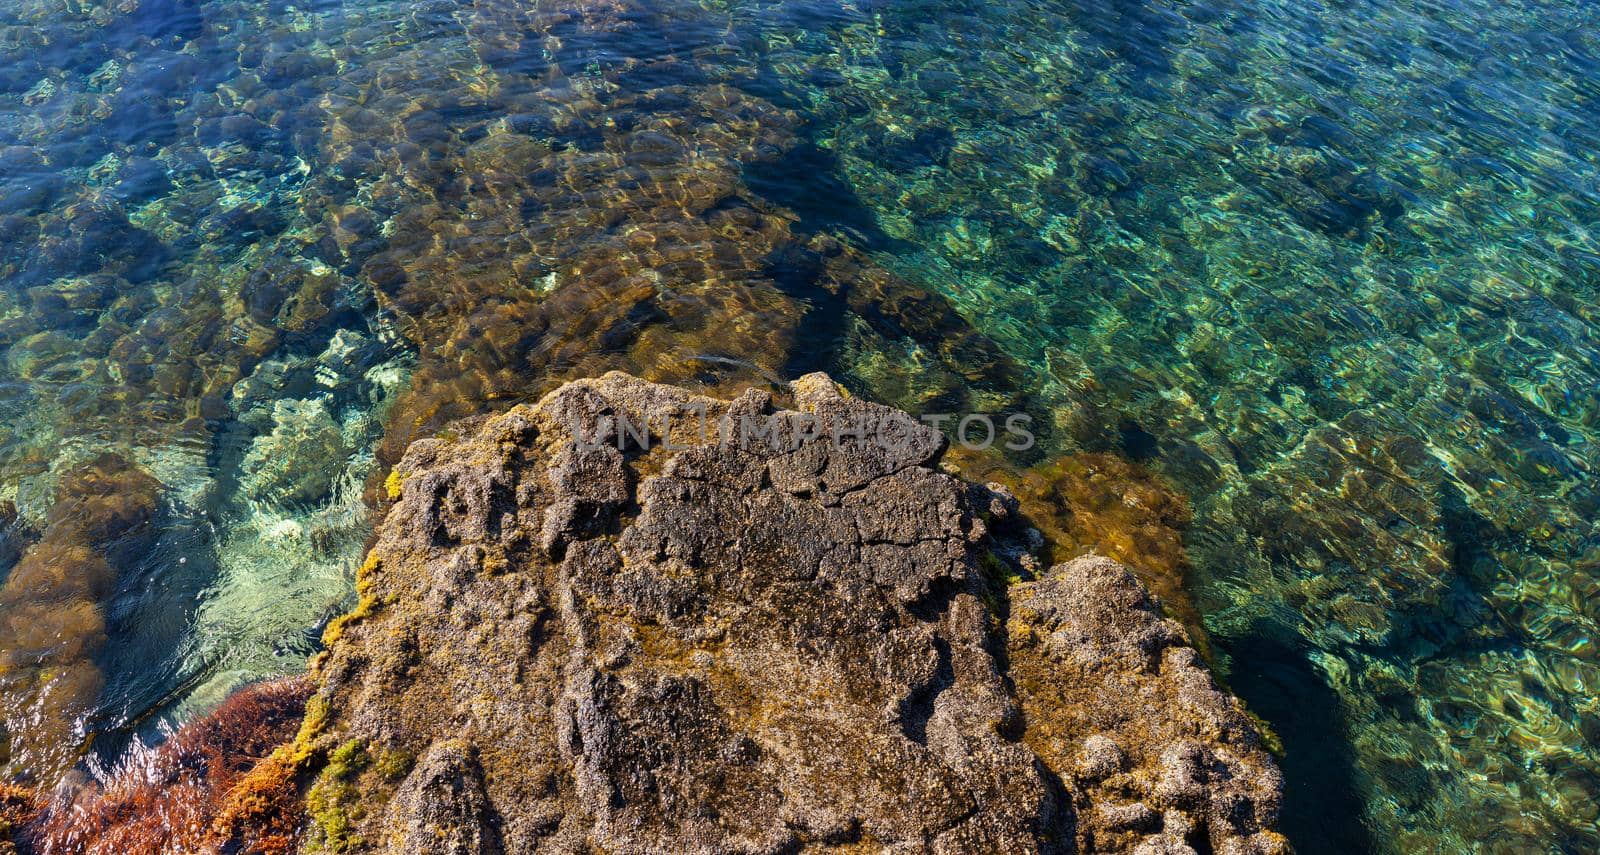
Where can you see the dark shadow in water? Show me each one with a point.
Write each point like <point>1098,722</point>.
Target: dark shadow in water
<point>15,536</point>
<point>1321,808</point>
<point>152,610</point>
<point>808,180</point>
<point>1136,442</point>
<point>795,270</point>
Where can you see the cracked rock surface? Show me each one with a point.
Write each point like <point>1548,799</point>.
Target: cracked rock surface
<point>563,646</point>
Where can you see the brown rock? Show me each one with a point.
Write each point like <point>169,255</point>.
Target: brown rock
<point>750,647</point>
<point>441,807</point>
<point>1113,696</point>
<point>52,623</point>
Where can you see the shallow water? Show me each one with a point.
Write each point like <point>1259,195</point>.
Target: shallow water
<point>1328,270</point>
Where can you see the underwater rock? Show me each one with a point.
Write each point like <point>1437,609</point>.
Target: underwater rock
<point>753,646</point>
<point>625,242</point>
<point>140,180</point>
<point>292,464</point>
<point>1094,502</point>
<point>292,528</point>
<point>52,622</point>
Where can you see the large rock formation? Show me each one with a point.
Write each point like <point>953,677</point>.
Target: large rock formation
<point>750,645</point>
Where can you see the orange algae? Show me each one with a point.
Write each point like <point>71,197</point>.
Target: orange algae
<point>263,812</point>
<point>1101,502</point>
<point>164,799</point>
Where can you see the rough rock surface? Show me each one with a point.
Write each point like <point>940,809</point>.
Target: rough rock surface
<point>752,648</point>
<point>1157,756</point>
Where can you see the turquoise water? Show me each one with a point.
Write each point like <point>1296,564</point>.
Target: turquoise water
<point>1329,269</point>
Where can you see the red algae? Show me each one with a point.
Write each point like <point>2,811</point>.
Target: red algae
<point>165,799</point>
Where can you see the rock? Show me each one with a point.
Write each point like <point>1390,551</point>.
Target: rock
<point>141,180</point>
<point>299,459</point>
<point>1102,757</point>
<point>1090,650</point>
<point>735,646</point>
<point>441,808</point>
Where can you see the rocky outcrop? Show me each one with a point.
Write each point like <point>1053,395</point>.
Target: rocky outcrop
<point>572,636</point>
<point>1114,697</point>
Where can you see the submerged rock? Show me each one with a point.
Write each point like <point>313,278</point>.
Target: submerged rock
<point>573,637</point>
<point>297,461</point>
<point>53,612</point>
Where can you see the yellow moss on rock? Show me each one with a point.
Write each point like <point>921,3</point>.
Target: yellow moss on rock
<point>392,764</point>
<point>366,603</point>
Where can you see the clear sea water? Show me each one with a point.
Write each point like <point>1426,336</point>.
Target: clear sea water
<point>1329,270</point>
